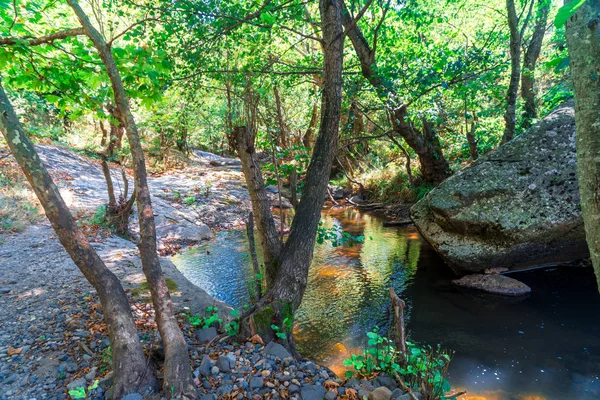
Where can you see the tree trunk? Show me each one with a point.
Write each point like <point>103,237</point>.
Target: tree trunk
<point>434,166</point>
<point>177,372</point>
<point>283,140</point>
<point>583,33</point>
<point>129,364</point>
<point>242,140</point>
<point>510,115</point>
<point>284,296</point>
<point>473,152</point>
<point>530,58</point>
<point>307,139</point>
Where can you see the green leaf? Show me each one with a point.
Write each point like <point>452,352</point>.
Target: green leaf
<point>78,393</point>
<point>234,313</point>
<point>566,12</point>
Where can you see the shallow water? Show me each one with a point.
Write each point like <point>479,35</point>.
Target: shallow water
<point>544,346</point>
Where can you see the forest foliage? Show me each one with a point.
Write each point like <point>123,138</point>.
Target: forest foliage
<point>191,68</point>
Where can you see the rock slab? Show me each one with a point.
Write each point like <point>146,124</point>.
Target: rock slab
<point>518,206</point>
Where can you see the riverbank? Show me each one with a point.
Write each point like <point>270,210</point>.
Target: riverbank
<point>51,328</point>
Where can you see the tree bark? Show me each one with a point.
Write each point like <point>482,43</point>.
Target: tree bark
<point>307,139</point>
<point>242,140</point>
<point>583,33</point>
<point>473,152</point>
<point>510,115</point>
<point>532,53</point>
<point>177,373</point>
<point>434,167</point>
<point>129,364</point>
<point>253,256</point>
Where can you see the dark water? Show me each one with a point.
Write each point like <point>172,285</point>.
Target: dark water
<point>545,346</point>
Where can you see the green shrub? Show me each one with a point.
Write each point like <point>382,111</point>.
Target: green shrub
<point>423,367</point>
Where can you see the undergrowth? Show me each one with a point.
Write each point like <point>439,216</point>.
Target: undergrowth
<point>422,368</point>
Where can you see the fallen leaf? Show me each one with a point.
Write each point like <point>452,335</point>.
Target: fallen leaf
<point>256,340</point>
<point>12,351</point>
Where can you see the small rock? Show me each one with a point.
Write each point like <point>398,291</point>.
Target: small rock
<point>71,367</point>
<point>5,290</point>
<point>277,350</point>
<point>313,392</point>
<point>214,370</point>
<point>205,366</point>
<point>256,383</point>
<point>331,395</point>
<point>381,393</point>
<point>206,335</point>
<point>133,396</point>
<point>226,363</point>
<point>80,382</point>
<point>494,284</point>
<point>293,389</point>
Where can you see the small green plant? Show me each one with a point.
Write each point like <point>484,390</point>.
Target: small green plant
<point>422,367</point>
<point>188,201</point>
<point>80,392</point>
<point>106,356</point>
<point>177,195</point>
<point>379,356</point>
<point>210,318</point>
<point>98,217</point>
<point>207,188</point>
<point>278,333</point>
<point>233,327</point>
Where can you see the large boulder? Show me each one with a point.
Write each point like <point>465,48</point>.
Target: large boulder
<point>518,206</point>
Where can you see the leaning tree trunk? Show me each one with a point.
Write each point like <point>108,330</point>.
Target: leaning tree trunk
<point>530,58</point>
<point>242,140</point>
<point>583,34</point>
<point>282,299</point>
<point>177,372</point>
<point>434,167</point>
<point>128,361</point>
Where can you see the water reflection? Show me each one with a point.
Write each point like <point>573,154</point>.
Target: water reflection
<point>543,347</point>
<point>348,286</point>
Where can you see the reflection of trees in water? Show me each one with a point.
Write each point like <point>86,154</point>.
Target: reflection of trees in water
<point>348,286</point>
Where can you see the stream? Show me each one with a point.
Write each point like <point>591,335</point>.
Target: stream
<point>543,346</point>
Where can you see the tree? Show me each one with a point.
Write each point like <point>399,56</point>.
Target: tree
<point>517,23</point>
<point>288,263</point>
<point>177,373</point>
<point>532,53</point>
<point>583,42</point>
<point>426,144</point>
<point>129,364</point>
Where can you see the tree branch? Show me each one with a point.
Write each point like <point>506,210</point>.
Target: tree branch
<point>36,41</point>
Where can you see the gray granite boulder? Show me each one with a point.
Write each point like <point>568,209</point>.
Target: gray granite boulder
<point>518,206</point>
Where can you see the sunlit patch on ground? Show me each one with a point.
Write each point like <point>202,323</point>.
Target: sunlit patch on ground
<point>32,293</point>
